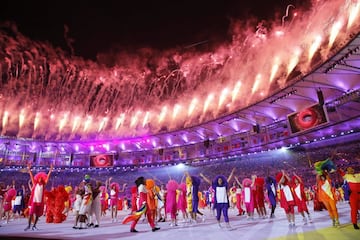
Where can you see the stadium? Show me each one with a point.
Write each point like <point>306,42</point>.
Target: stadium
<point>283,95</point>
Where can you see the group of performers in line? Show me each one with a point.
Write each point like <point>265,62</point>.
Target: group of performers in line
<point>155,203</point>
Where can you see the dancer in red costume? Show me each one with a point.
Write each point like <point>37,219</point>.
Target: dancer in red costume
<point>36,202</point>
<point>259,196</point>
<point>353,180</point>
<point>300,197</point>
<point>287,200</point>
<point>143,209</point>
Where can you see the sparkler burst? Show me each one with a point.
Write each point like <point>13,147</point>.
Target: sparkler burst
<point>46,95</point>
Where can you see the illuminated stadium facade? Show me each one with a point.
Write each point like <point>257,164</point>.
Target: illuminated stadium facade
<point>256,96</point>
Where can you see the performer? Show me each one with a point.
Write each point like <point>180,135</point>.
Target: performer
<point>300,197</point>
<point>161,204</point>
<point>271,187</point>
<point>192,189</point>
<point>114,198</point>
<point>239,199</point>
<point>143,208</point>
<point>171,206</point>
<point>181,203</point>
<point>3,190</point>
<point>9,196</point>
<point>353,180</point>
<point>221,204</point>
<point>249,198</point>
<point>326,194</point>
<point>79,193</point>
<point>287,200</point>
<point>19,204</point>
<point>134,199</point>
<point>104,196</point>
<point>151,193</point>
<point>259,195</point>
<point>36,201</point>
<point>95,208</point>
<point>85,205</point>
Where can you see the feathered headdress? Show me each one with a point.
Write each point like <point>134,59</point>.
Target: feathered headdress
<point>40,176</point>
<point>172,185</point>
<point>150,183</point>
<point>259,181</point>
<point>246,182</point>
<point>116,185</point>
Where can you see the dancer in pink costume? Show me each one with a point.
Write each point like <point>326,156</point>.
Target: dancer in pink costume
<point>171,206</point>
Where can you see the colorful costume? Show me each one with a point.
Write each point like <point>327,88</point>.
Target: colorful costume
<point>221,204</point>
<point>171,206</point>
<point>326,195</point>
<point>287,199</point>
<point>248,197</point>
<point>181,203</point>
<point>300,197</point>
<point>353,181</point>
<point>271,187</point>
<point>140,183</point>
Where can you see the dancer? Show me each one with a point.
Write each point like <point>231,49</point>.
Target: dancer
<point>300,197</point>
<point>114,198</point>
<point>134,198</point>
<point>95,208</point>
<point>161,204</point>
<point>271,187</point>
<point>85,206</point>
<point>79,193</point>
<point>249,198</point>
<point>3,190</point>
<point>151,193</point>
<point>221,204</point>
<point>171,206</point>
<point>36,201</point>
<point>259,195</point>
<point>143,209</point>
<point>353,180</point>
<point>287,200</point>
<point>192,189</point>
<point>327,197</point>
<point>181,204</point>
<point>19,203</point>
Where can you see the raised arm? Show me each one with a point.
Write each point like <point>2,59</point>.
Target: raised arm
<point>299,178</point>
<point>123,189</point>
<point>108,183</point>
<point>238,182</point>
<point>205,178</point>
<point>31,175</point>
<point>49,173</point>
<point>231,175</point>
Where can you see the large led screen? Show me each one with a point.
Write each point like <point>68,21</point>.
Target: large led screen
<point>102,160</point>
<point>308,118</point>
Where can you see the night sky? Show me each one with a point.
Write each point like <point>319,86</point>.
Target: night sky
<point>103,26</point>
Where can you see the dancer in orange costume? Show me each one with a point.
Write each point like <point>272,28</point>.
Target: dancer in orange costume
<point>326,193</point>
<point>353,180</point>
<point>151,193</point>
